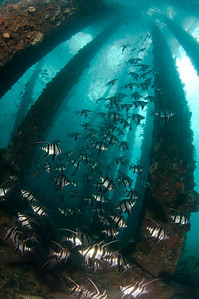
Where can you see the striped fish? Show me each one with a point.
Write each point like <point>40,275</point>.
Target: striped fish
<point>84,112</point>
<point>178,217</point>
<point>13,233</point>
<point>118,261</point>
<point>125,205</point>
<point>27,194</point>
<point>3,191</point>
<point>61,181</point>
<point>61,253</point>
<point>99,197</point>
<point>96,251</point>
<point>24,220</point>
<point>119,220</point>
<point>108,183</point>
<point>21,246</point>
<point>34,238</point>
<point>50,148</point>
<point>84,293</point>
<point>137,289</point>
<point>136,168</point>
<point>164,114</point>
<point>110,232</point>
<point>157,231</point>
<point>38,210</point>
<point>96,294</point>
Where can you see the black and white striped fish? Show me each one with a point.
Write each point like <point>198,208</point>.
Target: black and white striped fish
<point>134,75</point>
<point>101,146</point>
<point>84,112</point>
<point>124,145</point>
<point>131,195</point>
<point>33,237</point>
<point>24,220</point>
<point>119,221</point>
<point>124,47</point>
<point>81,292</point>
<point>110,231</point>
<point>141,104</point>
<point>59,254</point>
<point>134,61</point>
<point>51,149</point>
<point>78,238</point>
<point>21,246</point>
<point>99,197</point>
<point>13,233</point>
<point>137,117</point>
<point>3,191</point>
<point>157,231</point>
<point>125,205</point>
<point>136,168</point>
<point>75,135</point>
<point>118,261</point>
<point>136,96</point>
<point>112,82</point>
<point>96,251</point>
<point>108,183</point>
<point>163,114</point>
<point>178,217</point>
<point>137,289</point>
<point>27,194</point>
<point>124,180</point>
<point>61,181</point>
<point>129,85</point>
<point>120,160</point>
<point>103,219</point>
<point>38,210</point>
<point>86,126</point>
<point>111,138</point>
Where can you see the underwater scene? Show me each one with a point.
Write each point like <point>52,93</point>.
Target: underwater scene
<point>99,155</point>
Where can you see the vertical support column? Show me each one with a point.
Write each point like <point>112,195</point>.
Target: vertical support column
<point>171,167</point>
